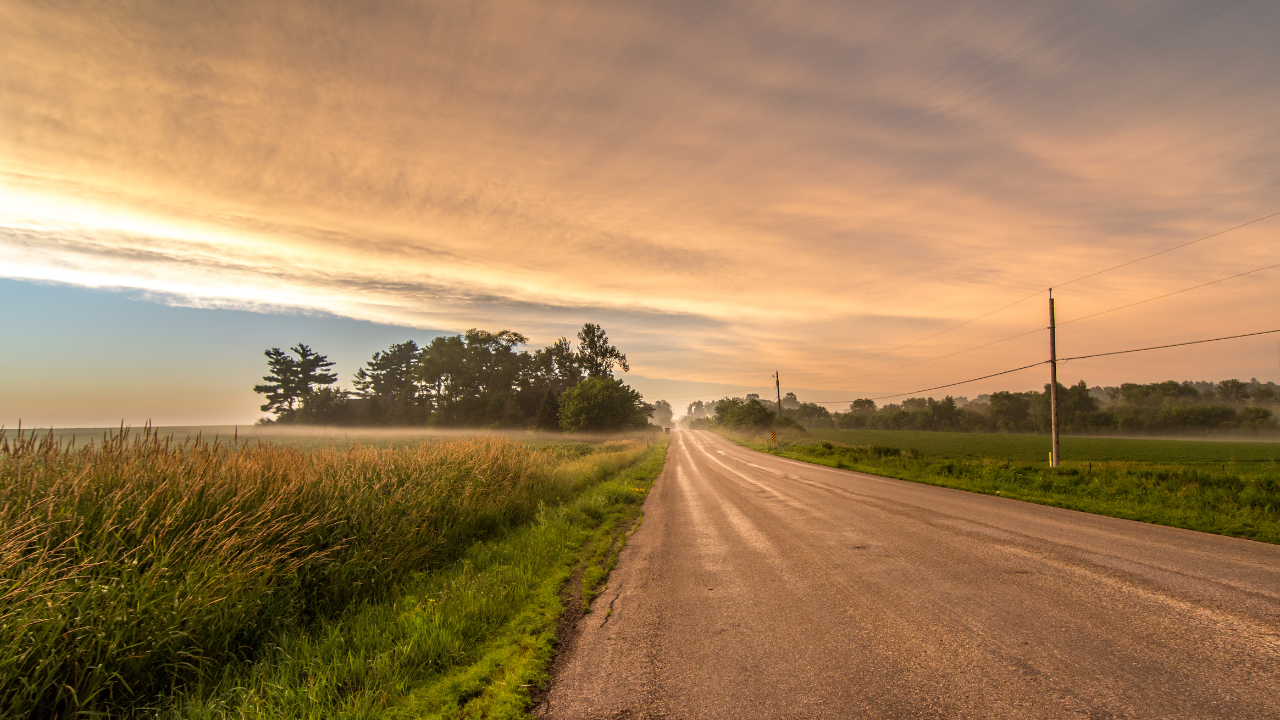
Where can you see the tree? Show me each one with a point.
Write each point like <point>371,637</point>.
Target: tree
<point>810,415</point>
<point>596,356</point>
<point>281,386</point>
<point>548,417</point>
<point>390,386</point>
<point>737,413</point>
<point>863,406</point>
<point>325,406</point>
<point>558,364</point>
<point>291,379</point>
<point>602,405</point>
<point>662,413</point>
<point>389,373</point>
<point>1010,411</point>
<point>1233,391</point>
<point>476,379</point>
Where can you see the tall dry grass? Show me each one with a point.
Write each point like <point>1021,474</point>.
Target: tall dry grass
<point>131,567</point>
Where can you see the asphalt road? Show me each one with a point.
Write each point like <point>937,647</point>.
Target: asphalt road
<point>759,587</point>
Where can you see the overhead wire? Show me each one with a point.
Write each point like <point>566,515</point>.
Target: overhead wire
<point>1058,285</point>
<point>1024,299</point>
<point>1061,360</point>
<point>1067,322</point>
<point>1161,347</point>
<point>1168,250</point>
<point>1175,292</point>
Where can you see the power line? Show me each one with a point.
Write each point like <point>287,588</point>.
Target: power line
<point>1045,362</point>
<point>1029,332</point>
<point>940,357</point>
<point>962,382</point>
<point>1168,250</point>
<point>1161,347</point>
<point>929,337</point>
<point>1175,292</point>
<point>938,387</point>
<point>1062,284</point>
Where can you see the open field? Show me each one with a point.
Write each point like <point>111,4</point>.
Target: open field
<point>1209,492</point>
<point>1035,448</point>
<point>144,576</point>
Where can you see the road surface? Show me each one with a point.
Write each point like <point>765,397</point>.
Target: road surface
<point>759,587</point>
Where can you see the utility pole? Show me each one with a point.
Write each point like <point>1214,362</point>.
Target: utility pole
<point>777,384</point>
<point>1053,382</point>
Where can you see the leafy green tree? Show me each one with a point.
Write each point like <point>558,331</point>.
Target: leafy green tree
<point>558,364</point>
<point>696,410</point>
<point>662,413</point>
<point>810,415</point>
<point>476,379</point>
<point>602,405</point>
<point>1233,391</point>
<point>290,379</point>
<point>1010,411</point>
<point>863,406</point>
<point>325,406</point>
<point>596,356</point>
<point>738,413</point>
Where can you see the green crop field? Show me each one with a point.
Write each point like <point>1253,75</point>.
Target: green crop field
<point>1035,448</point>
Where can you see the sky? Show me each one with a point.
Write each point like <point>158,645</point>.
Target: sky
<point>729,189</point>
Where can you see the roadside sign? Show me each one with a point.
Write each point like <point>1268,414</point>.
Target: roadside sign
<point>773,437</point>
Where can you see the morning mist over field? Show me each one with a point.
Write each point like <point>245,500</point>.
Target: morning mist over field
<point>729,189</point>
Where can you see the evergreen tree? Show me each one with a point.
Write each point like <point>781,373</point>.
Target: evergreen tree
<point>548,417</point>
<point>291,379</point>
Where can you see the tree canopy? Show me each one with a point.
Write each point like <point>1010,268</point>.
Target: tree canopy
<point>601,405</point>
<point>290,379</point>
<point>476,379</point>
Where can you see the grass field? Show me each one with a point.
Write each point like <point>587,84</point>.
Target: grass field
<point>1223,488</point>
<point>147,577</point>
<point>1035,448</point>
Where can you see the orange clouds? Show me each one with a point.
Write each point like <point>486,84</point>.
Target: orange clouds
<point>737,188</point>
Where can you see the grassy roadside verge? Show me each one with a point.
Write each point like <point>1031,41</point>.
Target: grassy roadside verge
<point>471,639</point>
<point>1241,500</point>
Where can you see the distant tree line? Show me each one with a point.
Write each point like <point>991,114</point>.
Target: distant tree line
<point>1132,408</point>
<point>477,379</point>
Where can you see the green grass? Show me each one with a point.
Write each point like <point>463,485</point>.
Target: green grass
<point>473,639</point>
<point>138,568</point>
<point>1035,448</point>
<point>1228,498</point>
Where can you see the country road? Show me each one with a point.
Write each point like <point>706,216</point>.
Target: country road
<point>760,587</point>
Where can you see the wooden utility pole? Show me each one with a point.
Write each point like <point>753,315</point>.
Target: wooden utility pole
<point>1053,382</point>
<point>777,385</point>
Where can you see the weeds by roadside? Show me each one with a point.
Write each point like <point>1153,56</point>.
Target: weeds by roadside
<point>472,639</point>
<point>137,568</point>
